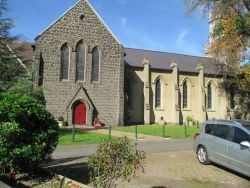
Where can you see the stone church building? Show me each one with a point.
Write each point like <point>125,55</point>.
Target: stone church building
<point>87,73</point>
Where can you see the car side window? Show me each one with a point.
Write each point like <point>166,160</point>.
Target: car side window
<point>222,131</point>
<point>209,128</point>
<point>240,136</point>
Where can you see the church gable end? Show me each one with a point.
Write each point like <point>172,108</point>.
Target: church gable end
<point>81,29</point>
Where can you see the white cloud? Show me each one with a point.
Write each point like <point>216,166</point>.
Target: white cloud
<point>123,22</point>
<point>181,36</point>
<point>138,38</point>
<point>184,45</point>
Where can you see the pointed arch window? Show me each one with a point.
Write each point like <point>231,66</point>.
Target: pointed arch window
<point>209,96</point>
<point>80,61</point>
<point>41,70</point>
<point>128,91</point>
<point>158,93</point>
<point>95,64</point>
<point>185,95</point>
<point>64,62</point>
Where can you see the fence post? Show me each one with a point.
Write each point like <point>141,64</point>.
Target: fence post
<point>185,129</point>
<point>136,133</point>
<point>109,132</point>
<point>73,133</point>
<point>163,131</point>
<point>198,124</point>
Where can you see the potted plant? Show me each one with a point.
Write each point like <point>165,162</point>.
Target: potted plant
<point>60,121</point>
<point>189,119</point>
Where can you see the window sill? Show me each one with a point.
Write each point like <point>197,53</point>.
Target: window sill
<point>186,109</point>
<point>159,109</point>
<point>80,82</point>
<point>64,80</point>
<point>210,110</point>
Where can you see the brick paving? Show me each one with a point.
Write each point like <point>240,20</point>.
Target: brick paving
<point>178,169</point>
<point>182,169</point>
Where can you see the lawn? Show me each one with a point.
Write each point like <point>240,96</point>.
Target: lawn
<point>171,131</point>
<point>65,137</point>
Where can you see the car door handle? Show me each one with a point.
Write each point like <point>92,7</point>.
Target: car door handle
<point>231,146</point>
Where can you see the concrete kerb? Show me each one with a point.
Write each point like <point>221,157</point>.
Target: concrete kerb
<point>71,182</point>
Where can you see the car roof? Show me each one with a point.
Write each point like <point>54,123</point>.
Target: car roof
<point>236,122</point>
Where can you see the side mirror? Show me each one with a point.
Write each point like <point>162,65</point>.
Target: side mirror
<point>245,144</point>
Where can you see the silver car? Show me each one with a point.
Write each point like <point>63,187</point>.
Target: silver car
<point>226,143</point>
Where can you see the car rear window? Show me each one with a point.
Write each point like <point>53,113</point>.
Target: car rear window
<point>221,131</point>
<point>209,128</point>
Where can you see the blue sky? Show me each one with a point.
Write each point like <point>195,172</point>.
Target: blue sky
<point>161,25</point>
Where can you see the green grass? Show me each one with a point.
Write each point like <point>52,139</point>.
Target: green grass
<point>171,131</point>
<point>86,137</point>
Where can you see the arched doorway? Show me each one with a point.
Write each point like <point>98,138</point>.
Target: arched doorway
<point>80,113</point>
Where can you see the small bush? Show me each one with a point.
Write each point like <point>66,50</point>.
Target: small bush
<point>188,119</point>
<point>31,136</point>
<point>115,159</point>
<point>60,118</point>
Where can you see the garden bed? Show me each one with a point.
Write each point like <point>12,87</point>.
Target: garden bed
<point>41,179</point>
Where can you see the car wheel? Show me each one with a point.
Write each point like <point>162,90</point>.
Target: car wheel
<point>202,155</point>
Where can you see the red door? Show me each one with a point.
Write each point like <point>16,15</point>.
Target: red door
<point>80,114</point>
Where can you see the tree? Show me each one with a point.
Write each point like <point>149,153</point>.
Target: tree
<point>115,159</point>
<point>14,76</point>
<point>10,68</point>
<point>28,133</point>
<point>230,20</point>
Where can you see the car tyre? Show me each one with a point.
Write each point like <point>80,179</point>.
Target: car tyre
<point>202,155</point>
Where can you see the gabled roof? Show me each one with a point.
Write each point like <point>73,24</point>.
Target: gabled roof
<point>99,17</point>
<point>163,60</point>
<point>23,50</point>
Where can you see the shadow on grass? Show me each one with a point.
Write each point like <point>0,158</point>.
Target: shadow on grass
<point>82,140</point>
<point>61,161</point>
<point>68,130</point>
<point>77,171</point>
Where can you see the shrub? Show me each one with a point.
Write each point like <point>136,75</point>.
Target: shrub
<point>115,159</point>
<point>31,136</point>
<point>188,119</point>
<point>60,118</point>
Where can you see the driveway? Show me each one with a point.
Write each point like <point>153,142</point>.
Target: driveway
<point>157,146</point>
<point>182,169</point>
<point>169,163</point>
